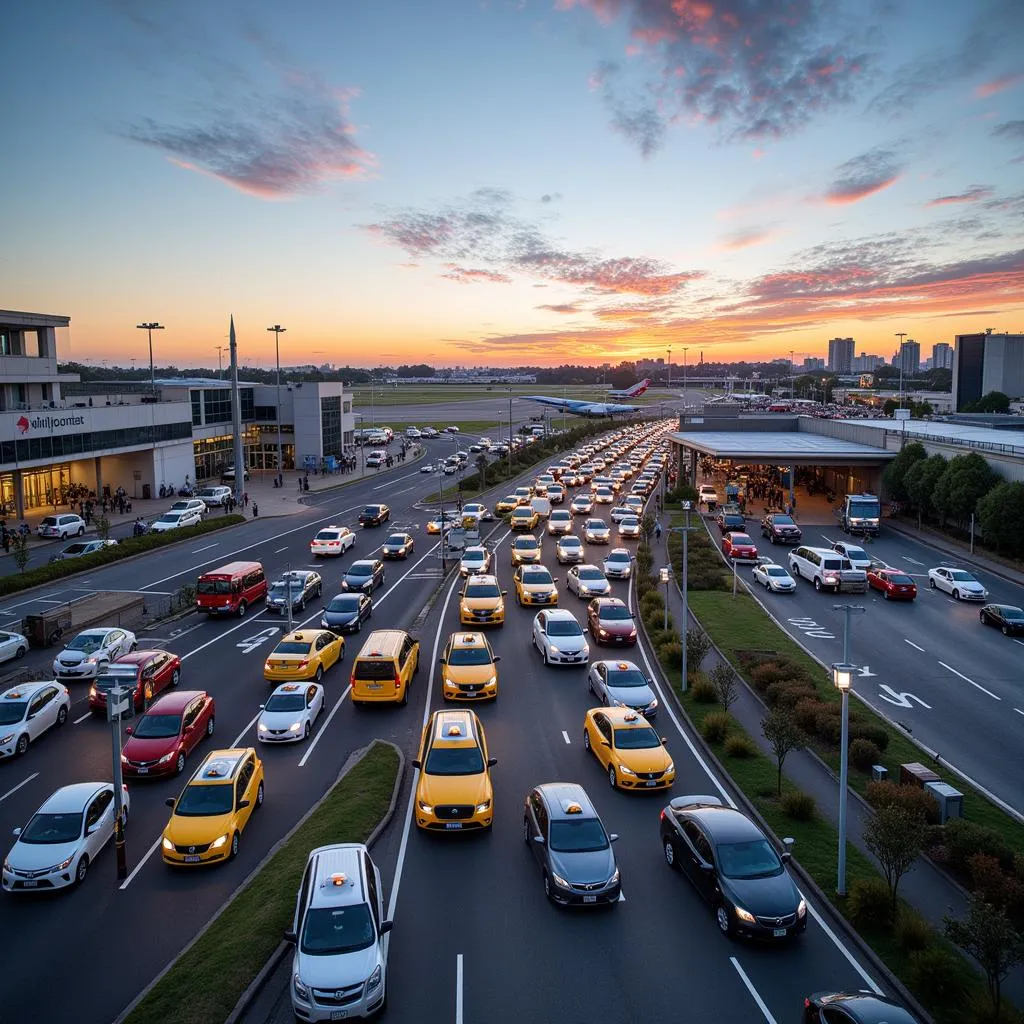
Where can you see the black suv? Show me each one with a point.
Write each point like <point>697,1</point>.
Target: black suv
<point>374,515</point>
<point>780,529</point>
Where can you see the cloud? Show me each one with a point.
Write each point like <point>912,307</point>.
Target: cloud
<point>746,239</point>
<point>996,85</point>
<point>1012,130</point>
<point>466,276</point>
<point>756,71</point>
<point>863,176</point>
<point>971,195</point>
<point>561,307</point>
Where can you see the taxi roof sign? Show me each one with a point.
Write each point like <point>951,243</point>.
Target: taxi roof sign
<point>14,695</point>
<point>631,716</point>
<point>454,730</point>
<point>338,878</point>
<point>571,807</point>
<point>289,687</point>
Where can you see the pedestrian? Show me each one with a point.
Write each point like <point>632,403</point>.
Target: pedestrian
<point>5,538</point>
<point>255,510</point>
<point>657,529</point>
<point>300,483</point>
<point>245,498</point>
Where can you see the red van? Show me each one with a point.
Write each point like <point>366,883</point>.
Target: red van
<point>230,589</point>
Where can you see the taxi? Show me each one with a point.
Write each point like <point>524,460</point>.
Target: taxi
<point>443,521</point>
<point>534,585</point>
<point>213,810</point>
<point>524,517</point>
<point>526,550</point>
<point>454,791</point>
<point>523,495</point>
<point>304,654</point>
<point>482,602</point>
<point>469,668</point>
<point>507,504</point>
<point>629,750</point>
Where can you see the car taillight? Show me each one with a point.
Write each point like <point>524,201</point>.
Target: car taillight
<point>304,663</point>
<point>398,681</point>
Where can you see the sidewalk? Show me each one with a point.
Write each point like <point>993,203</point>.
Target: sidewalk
<point>926,888</point>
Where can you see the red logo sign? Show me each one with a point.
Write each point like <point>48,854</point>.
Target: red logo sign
<point>23,424</point>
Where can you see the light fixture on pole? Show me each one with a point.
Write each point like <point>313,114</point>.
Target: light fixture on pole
<point>149,328</point>
<point>664,576</point>
<point>278,330</point>
<point>842,677</point>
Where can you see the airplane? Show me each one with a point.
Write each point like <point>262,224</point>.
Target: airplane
<point>580,408</point>
<point>632,392</point>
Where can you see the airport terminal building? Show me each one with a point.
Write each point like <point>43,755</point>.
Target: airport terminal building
<point>57,433</point>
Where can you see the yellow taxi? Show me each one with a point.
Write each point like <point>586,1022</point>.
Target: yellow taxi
<point>441,521</point>
<point>304,654</point>
<point>482,602</point>
<point>214,808</point>
<point>507,504</point>
<point>526,550</point>
<point>469,668</point>
<point>524,518</point>
<point>629,750</point>
<point>454,791</point>
<point>535,585</point>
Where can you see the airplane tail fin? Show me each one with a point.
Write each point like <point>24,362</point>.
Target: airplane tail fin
<point>638,389</point>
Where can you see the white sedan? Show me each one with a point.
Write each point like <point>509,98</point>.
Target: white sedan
<point>175,520</point>
<point>91,650</point>
<point>587,581</point>
<point>774,577</point>
<point>858,557</point>
<point>60,841</point>
<point>475,560</point>
<point>427,467</point>
<point>332,540</point>
<point>596,531</point>
<point>559,637</point>
<point>958,582</point>
<point>290,713</point>
<point>618,564</point>
<point>27,711</point>
<point>629,526</point>
<point>620,512</point>
<point>12,645</point>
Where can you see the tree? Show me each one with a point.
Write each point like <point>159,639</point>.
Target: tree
<point>19,550</point>
<point>783,735</point>
<point>698,643</point>
<point>102,526</point>
<point>889,406</point>
<point>989,936</point>
<point>1001,515</point>
<point>896,838</point>
<point>726,685</point>
<point>920,483</point>
<point>894,477</point>
<point>966,480</point>
<point>994,401</point>
<point>481,468</point>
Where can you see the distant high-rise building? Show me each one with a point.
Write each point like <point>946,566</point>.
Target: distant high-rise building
<point>942,356</point>
<point>812,363</point>
<point>987,362</point>
<point>867,363</point>
<point>908,359</point>
<point>840,355</point>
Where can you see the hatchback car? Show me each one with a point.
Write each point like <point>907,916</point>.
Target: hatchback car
<point>534,585</point>
<point>398,545</point>
<point>734,867</point>
<point>958,582</point>
<point>61,526</point>
<point>90,650</point>
<point>364,575</point>
<point>568,840</point>
<point>346,613</point>
<point>332,541</point>
<point>526,550</point>
<point>469,668</point>
<point>80,548</point>
<point>559,637</point>
<point>774,577</point>
<point>611,622</point>
<point>482,602</point>
<point>374,515</point>
<point>475,560</point>
<point>60,841</point>
<point>596,531</point>
<point>587,581</point>
<point>620,684</point>
<point>569,550</point>
<point>303,655</point>
<point>147,673</point>
<point>894,584</point>
<point>160,741</point>
<point>631,753</point>
<point>301,585</point>
<point>290,713</point>
<point>175,521</point>
<point>1005,617</point>
<point>27,711</point>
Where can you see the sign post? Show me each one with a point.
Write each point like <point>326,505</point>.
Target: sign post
<point>120,701</point>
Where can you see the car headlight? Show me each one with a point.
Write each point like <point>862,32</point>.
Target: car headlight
<point>671,768</point>
<point>295,727</point>
<point>425,808</point>
<point>7,738</point>
<point>801,908</point>
<point>7,865</point>
<point>625,770</point>
<point>500,606</point>
<point>63,864</point>
<point>601,631</point>
<point>745,915</point>
<point>374,979</point>
<point>480,808</point>
<point>262,728</point>
<point>652,705</point>
<point>167,757</point>
<point>166,843</point>
<point>323,624</point>
<point>614,878</point>
<point>300,990</point>
<point>491,681</point>
<point>560,881</point>
<point>450,683</point>
<point>219,842</point>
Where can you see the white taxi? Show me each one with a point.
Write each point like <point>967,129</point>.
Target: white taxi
<point>27,711</point>
<point>290,713</point>
<point>332,541</point>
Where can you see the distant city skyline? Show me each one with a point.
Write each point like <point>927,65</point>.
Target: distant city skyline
<point>514,182</point>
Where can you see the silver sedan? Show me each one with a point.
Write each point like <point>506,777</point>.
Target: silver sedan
<point>774,577</point>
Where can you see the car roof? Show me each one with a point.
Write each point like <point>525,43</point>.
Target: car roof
<point>872,1009</point>
<point>469,640</point>
<point>219,766</point>
<point>482,577</point>
<point>174,703</point>
<point>363,561</point>
<point>456,728</point>
<point>24,691</point>
<point>724,824</point>
<point>137,657</point>
<point>71,798</point>
<point>559,613</point>
<point>301,635</point>
<point>609,602</point>
<point>623,718</point>
<point>559,796</point>
<point>337,875</point>
<point>292,687</point>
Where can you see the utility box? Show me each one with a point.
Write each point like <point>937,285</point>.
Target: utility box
<point>950,800</point>
<point>879,773</point>
<point>916,774</point>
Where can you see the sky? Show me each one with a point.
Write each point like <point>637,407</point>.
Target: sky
<point>512,182</point>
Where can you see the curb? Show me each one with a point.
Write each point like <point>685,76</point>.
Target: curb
<point>354,758</point>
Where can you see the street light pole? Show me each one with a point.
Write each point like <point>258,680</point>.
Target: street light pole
<point>278,331</point>
<point>899,355</point>
<point>685,531</point>
<point>510,433</point>
<point>440,512</point>
<point>685,350</point>
<point>149,328</point>
<point>670,366</point>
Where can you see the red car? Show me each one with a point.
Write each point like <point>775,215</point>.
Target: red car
<point>894,584</point>
<point>151,671</point>
<point>739,546</point>
<point>610,622</point>
<point>167,733</point>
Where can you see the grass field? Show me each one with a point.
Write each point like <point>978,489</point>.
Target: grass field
<point>427,394</point>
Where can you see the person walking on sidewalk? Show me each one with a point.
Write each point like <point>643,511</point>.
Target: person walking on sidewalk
<point>255,510</point>
<point>657,529</point>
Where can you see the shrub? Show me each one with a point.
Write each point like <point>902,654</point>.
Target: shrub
<point>698,644</point>
<point>716,726</point>
<point>870,903</point>
<point>864,754</point>
<point>645,585</point>
<point>877,734</point>
<point>661,636</point>
<point>703,690</point>
<point>806,713</point>
<point>941,973</point>
<point>910,798</point>
<point>798,806</point>
<point>653,618</point>
<point>987,878</point>
<point>671,654</point>
<point>787,694</point>
<point>653,599</point>
<point>739,745</point>
<point>964,838</point>
<point>827,726</point>
<point>763,675</point>
<point>913,932</point>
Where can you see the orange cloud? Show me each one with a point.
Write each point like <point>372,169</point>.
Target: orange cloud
<point>971,195</point>
<point>996,85</point>
<point>856,191</point>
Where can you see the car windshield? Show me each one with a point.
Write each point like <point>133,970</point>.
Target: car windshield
<point>74,549</point>
<point>169,517</point>
<point>754,859</point>
<point>859,553</point>
<point>617,557</point>
<point>626,677</point>
<point>328,931</point>
<point>537,577</point>
<point>395,540</point>
<point>474,556</point>
<point>293,647</point>
<point>348,603</point>
<point>213,587</point>
<point>636,739</point>
<point>454,761</point>
<point>157,727</point>
<point>1015,614</point>
<point>775,570</point>
<point>564,627</point>
<point>525,544</point>
<point>570,542</point>
<point>630,521</point>
<point>469,656</point>
<point>370,510</point>
<point>483,590</point>
<point>86,642</point>
<point>961,576</point>
<point>286,702</point>
<point>327,535</point>
<point>52,828</point>
<point>280,590</point>
<point>740,538</point>
<point>591,574</point>
<point>199,801</point>
<point>579,835</point>
<point>120,678</point>
<point>614,612</point>
<point>360,569</point>
<point>12,711</point>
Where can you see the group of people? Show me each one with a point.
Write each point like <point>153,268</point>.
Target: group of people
<point>7,534</point>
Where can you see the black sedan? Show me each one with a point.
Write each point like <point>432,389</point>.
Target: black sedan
<point>365,575</point>
<point>1006,617</point>
<point>398,545</point>
<point>728,522</point>
<point>304,586</point>
<point>374,515</point>
<point>854,1008</point>
<point>346,613</point>
<point>734,867</point>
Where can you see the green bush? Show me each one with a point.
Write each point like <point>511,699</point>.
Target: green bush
<point>913,932</point>
<point>828,726</point>
<point>798,806</point>
<point>912,799</point>
<point>942,974</point>
<point>660,636</point>
<point>988,878</point>
<point>763,675</point>
<point>703,690</point>
<point>787,694</point>
<point>806,713</point>
<point>653,599</point>
<point>964,838</point>
<point>869,903</point>
<point>739,745</point>
<point>645,584</point>
<point>877,734</point>
<point>715,726</point>
<point>671,654</point>
<point>864,754</point>
<point>653,619</point>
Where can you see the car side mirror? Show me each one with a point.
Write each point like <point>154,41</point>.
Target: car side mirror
<point>539,840</point>
<point>386,926</point>
<point>613,838</point>
<point>491,762</point>
<point>664,739</point>
<point>504,592</point>
<point>16,831</point>
<point>243,804</point>
<point>290,936</point>
<point>169,801</point>
<point>417,763</point>
<point>127,730</point>
<point>497,658</point>
<point>708,869</point>
<point>441,661</point>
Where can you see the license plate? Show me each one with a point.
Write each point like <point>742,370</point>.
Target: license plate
<point>30,883</point>
<point>589,899</point>
<point>374,686</point>
<point>453,824</point>
<point>652,782</point>
<point>338,1014</point>
<point>779,933</point>
<point>193,858</point>
<point>142,771</point>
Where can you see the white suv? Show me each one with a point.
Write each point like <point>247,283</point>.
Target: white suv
<point>340,968</point>
<point>215,495</point>
<point>61,526</point>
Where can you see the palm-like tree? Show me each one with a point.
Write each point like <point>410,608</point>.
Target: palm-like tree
<point>481,468</point>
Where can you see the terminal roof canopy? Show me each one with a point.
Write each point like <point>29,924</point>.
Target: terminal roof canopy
<point>780,447</point>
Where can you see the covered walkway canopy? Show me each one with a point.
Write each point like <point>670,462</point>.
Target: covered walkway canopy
<point>780,448</point>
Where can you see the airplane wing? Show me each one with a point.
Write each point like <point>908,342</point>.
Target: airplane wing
<point>580,408</point>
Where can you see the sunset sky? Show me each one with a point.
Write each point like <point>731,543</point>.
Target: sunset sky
<point>506,182</point>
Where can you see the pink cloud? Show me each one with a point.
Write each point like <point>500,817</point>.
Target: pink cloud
<point>971,195</point>
<point>464,275</point>
<point>996,85</point>
<point>854,192</point>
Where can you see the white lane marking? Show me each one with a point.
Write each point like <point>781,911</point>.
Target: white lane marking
<point>912,561</point>
<point>195,551</point>
<point>24,782</point>
<point>323,728</point>
<point>622,897</point>
<point>77,721</point>
<point>219,636</point>
<point>404,489</point>
<point>36,600</point>
<point>971,681</point>
<point>755,995</point>
<point>565,736</point>
<point>912,644</point>
<point>397,479</point>
<point>138,867</point>
<point>823,924</point>
<point>1018,710</point>
<point>458,988</point>
<point>279,550</point>
<point>238,738</point>
<point>1016,641</point>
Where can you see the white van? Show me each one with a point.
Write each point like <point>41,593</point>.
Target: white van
<point>542,506</point>
<point>827,570</point>
<point>214,495</point>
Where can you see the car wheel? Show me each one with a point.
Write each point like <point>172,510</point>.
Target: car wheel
<point>405,697</point>
<point>724,920</point>
<point>544,656</point>
<point>81,530</point>
<point>20,652</point>
<point>176,677</point>
<point>586,740</point>
<point>320,590</point>
<point>307,731</point>
<point>547,887</point>
<point>931,583</point>
<point>209,725</point>
<point>612,781</point>
<point>956,595</point>
<point>234,847</point>
<point>82,870</point>
<point>526,831</point>
<point>22,745</point>
<point>319,673</point>
<point>259,797</point>
<point>179,765</point>
<point>817,585</point>
<point>1005,631</point>
<point>241,609</point>
<point>133,647</point>
<point>62,715</point>
<point>670,855</point>
<point>771,538</point>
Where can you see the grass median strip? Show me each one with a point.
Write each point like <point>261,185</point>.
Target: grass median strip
<point>207,980</point>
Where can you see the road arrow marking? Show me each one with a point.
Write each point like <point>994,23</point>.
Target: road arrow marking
<point>901,700</point>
